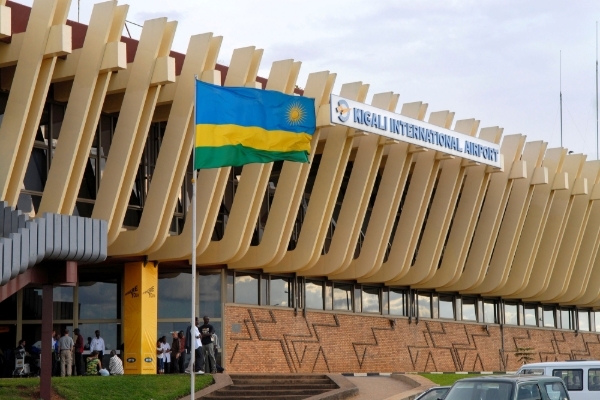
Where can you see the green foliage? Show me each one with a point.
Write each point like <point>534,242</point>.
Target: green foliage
<point>447,379</point>
<point>525,355</point>
<point>130,387</point>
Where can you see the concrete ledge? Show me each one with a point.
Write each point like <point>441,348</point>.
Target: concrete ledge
<point>346,389</point>
<point>220,381</point>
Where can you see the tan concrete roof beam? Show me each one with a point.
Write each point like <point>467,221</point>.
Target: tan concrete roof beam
<point>489,218</point>
<point>440,215</point>
<point>525,235</point>
<point>324,193</point>
<point>172,159</point>
<point>129,136</point>
<point>511,234</point>
<point>77,113</point>
<point>381,222</point>
<point>5,20</point>
<point>27,96</point>
<point>573,237</point>
<point>356,198</point>
<point>412,216</point>
<point>288,193</point>
<point>253,182</point>
<point>554,230</point>
<point>465,219</point>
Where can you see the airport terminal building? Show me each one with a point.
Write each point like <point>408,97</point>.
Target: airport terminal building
<point>379,255</point>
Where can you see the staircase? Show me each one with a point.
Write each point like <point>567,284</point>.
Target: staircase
<point>273,387</point>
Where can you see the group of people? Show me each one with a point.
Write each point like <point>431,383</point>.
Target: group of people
<point>67,349</point>
<point>201,339</point>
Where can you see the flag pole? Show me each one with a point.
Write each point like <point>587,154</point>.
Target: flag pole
<point>193,221</point>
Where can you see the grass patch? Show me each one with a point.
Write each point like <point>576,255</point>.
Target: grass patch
<point>11,389</point>
<point>130,387</point>
<point>447,379</point>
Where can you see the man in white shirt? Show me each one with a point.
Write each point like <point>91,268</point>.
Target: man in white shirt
<point>98,345</point>
<point>194,335</point>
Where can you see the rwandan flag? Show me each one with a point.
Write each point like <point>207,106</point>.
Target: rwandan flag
<point>238,126</point>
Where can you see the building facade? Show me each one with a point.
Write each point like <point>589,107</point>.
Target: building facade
<point>377,256</point>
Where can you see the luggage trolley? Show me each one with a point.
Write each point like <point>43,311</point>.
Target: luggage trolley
<point>22,369</point>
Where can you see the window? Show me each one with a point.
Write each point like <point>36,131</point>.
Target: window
<point>174,294</point>
<point>565,319</point>
<point>549,317</point>
<point>314,295</point>
<point>573,378</point>
<point>397,302</point>
<point>489,312</point>
<point>529,391</point>
<point>385,301</point>
<point>594,380</point>
<point>584,320</point>
<point>468,309</point>
<point>424,304</point>
<point>280,291</point>
<point>100,300</point>
<point>555,391</point>
<point>510,314</point>
<point>209,294</point>
<point>530,315</point>
<point>246,288</point>
<point>8,308</point>
<point>480,390</point>
<point>342,297</point>
<point>370,299</point>
<point>597,320</point>
<point>446,306</point>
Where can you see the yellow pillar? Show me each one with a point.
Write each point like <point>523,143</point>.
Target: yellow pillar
<point>141,309</point>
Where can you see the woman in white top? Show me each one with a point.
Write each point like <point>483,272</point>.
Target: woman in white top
<point>166,353</point>
<point>160,356</point>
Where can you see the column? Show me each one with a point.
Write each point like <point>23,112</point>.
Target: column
<point>140,317</point>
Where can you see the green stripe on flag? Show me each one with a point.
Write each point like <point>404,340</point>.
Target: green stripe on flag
<point>238,155</point>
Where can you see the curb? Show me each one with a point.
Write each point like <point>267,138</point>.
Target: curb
<point>432,372</point>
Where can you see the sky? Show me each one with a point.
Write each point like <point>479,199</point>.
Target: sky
<point>495,61</point>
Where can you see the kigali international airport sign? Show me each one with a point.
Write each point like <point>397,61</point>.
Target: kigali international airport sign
<point>398,127</point>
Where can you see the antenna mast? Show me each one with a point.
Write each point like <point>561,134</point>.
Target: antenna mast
<point>560,88</point>
<point>597,147</point>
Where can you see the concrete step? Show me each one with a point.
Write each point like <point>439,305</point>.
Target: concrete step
<point>291,386</point>
<point>269,393</point>
<point>270,376</point>
<point>280,381</point>
<point>212,396</point>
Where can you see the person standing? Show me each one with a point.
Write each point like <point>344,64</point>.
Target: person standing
<point>167,355</point>
<point>206,332</point>
<point>175,354</point>
<point>98,345</point>
<point>182,351</point>
<point>160,356</point>
<point>66,345</point>
<point>78,352</point>
<point>195,343</point>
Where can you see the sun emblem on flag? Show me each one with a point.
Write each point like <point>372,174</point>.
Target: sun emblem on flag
<point>295,113</point>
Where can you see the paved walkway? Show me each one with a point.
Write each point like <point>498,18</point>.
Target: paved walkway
<point>377,387</point>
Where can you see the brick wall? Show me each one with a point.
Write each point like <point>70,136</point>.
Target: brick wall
<point>275,340</point>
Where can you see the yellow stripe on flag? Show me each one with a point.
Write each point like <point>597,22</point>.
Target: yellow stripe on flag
<point>253,137</point>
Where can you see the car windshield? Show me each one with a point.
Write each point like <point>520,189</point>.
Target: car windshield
<point>480,390</point>
<point>556,391</point>
<point>434,394</point>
